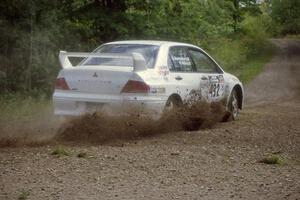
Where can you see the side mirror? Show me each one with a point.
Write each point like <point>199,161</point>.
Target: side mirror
<point>139,62</point>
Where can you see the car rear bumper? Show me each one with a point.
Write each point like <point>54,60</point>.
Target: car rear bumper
<point>74,104</point>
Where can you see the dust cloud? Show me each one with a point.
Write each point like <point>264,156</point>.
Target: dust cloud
<point>37,131</point>
<point>100,127</point>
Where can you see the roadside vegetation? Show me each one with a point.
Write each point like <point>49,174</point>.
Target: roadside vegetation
<point>82,155</point>
<point>18,106</point>
<point>272,160</point>
<point>235,32</point>
<point>24,195</point>
<point>254,65</point>
<point>60,151</point>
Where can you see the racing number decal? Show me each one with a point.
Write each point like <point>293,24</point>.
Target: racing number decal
<point>215,88</point>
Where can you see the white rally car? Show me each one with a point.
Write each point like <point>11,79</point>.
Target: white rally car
<point>154,74</point>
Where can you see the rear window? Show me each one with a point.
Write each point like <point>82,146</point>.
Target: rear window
<point>148,51</point>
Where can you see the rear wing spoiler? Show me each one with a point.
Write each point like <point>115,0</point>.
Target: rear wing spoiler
<point>139,62</point>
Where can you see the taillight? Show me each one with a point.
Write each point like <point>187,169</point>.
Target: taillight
<point>61,84</point>
<point>135,87</point>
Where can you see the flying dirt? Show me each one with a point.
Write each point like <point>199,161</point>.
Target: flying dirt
<point>219,161</point>
<point>101,127</point>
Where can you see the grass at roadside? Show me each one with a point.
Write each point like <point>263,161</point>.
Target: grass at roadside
<point>253,64</point>
<point>293,36</point>
<point>60,151</point>
<point>272,160</point>
<point>244,58</point>
<point>26,121</point>
<point>24,195</point>
<point>17,107</point>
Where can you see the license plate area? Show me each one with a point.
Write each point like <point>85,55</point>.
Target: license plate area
<point>92,107</point>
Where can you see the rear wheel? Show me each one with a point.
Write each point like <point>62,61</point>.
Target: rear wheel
<point>172,103</point>
<point>232,107</point>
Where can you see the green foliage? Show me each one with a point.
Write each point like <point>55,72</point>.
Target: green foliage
<point>60,151</point>
<point>272,160</point>
<point>285,13</point>
<point>237,56</point>
<point>231,54</point>
<point>255,31</point>
<point>240,8</point>
<point>17,106</point>
<point>254,65</point>
<point>24,195</point>
<point>27,46</point>
<point>33,31</point>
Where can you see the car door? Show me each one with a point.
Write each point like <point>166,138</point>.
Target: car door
<point>183,75</point>
<point>212,83</point>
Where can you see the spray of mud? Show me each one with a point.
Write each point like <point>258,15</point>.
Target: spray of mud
<point>37,131</point>
<point>100,127</point>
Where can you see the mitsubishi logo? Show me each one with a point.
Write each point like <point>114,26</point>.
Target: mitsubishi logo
<point>95,75</point>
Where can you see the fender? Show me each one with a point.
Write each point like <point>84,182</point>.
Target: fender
<point>233,83</point>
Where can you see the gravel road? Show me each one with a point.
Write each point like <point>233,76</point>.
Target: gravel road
<point>217,163</point>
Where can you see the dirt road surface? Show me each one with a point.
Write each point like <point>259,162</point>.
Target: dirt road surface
<point>218,163</point>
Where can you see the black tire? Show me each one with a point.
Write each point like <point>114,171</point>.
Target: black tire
<point>172,103</point>
<point>232,108</point>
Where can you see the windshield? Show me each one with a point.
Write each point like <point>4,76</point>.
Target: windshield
<point>148,51</point>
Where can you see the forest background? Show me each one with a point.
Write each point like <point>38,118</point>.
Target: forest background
<point>32,32</point>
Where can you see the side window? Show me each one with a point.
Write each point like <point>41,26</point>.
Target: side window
<point>202,62</point>
<point>179,60</point>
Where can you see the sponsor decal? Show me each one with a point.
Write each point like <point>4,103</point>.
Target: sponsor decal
<point>163,71</point>
<point>221,79</point>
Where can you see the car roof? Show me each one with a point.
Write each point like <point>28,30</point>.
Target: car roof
<point>149,42</point>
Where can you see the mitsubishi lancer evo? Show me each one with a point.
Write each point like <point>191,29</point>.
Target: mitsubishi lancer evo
<point>158,75</point>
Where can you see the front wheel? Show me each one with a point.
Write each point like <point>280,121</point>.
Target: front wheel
<point>232,107</point>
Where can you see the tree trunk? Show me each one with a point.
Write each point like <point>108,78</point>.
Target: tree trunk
<point>236,14</point>
<point>30,55</point>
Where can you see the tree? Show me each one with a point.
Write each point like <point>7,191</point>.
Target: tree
<point>242,7</point>
<point>286,14</point>
<point>33,31</point>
